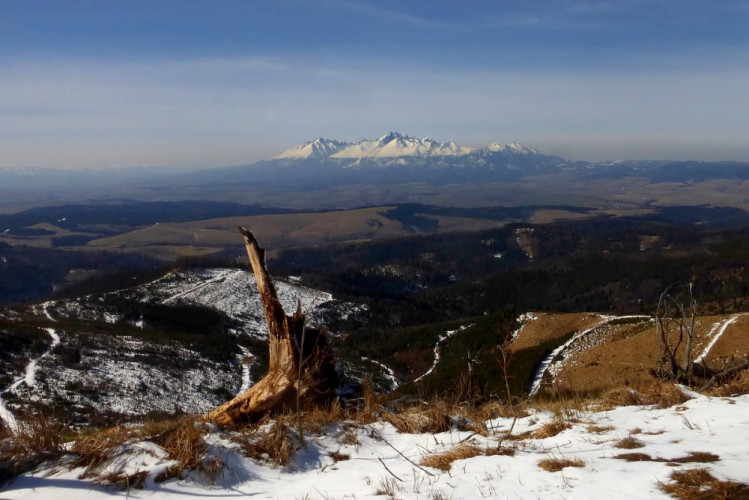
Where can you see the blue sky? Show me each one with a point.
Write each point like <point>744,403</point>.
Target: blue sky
<point>188,83</point>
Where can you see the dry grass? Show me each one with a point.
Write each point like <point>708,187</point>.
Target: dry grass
<point>318,418</point>
<point>181,439</point>
<point>496,409</point>
<point>620,396</point>
<point>434,419</point>
<point>348,436</point>
<point>389,486</point>
<point>664,395</point>
<point>550,429</point>
<point>38,438</point>
<point>126,481</point>
<point>697,456</point>
<point>184,443</point>
<point>696,484</point>
<point>636,457</point>
<point>660,394</point>
<point>373,404</point>
<point>692,457</point>
<point>553,464</point>
<point>95,449</point>
<point>737,386</point>
<point>629,443</point>
<point>507,451</point>
<point>338,456</point>
<point>274,444</point>
<point>520,436</point>
<point>443,461</point>
<point>600,429</point>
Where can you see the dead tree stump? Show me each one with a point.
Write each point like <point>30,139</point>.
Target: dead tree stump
<point>301,369</point>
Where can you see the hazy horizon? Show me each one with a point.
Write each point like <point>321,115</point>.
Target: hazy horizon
<point>198,84</point>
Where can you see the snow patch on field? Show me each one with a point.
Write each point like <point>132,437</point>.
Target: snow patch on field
<point>230,291</point>
<point>716,332</point>
<point>384,457</point>
<point>387,372</point>
<point>523,320</point>
<point>109,373</point>
<point>436,350</point>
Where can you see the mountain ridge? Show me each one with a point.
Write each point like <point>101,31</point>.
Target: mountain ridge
<point>393,145</point>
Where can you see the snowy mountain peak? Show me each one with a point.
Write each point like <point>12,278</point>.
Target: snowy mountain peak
<point>319,148</point>
<point>395,144</point>
<point>513,147</point>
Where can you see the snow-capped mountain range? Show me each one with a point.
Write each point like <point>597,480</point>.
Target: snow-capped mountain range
<point>394,158</point>
<point>392,145</point>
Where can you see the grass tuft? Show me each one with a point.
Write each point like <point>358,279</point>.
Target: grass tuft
<point>550,429</point>
<point>698,457</point>
<point>736,386</point>
<point>665,395</point>
<point>629,443</point>
<point>389,486</point>
<point>373,403</point>
<point>553,464</point>
<point>620,396</point>
<point>506,451</point>
<point>696,484</point>
<point>273,444</point>
<point>184,443</point>
<point>93,450</point>
<point>434,419</point>
<point>444,461</point>
<point>635,457</point>
<point>600,429</point>
<point>37,438</point>
<point>337,456</point>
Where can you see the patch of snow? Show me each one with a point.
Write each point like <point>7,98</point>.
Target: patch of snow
<point>523,319</point>
<point>389,373</point>
<point>245,360</point>
<point>436,350</point>
<point>719,327</point>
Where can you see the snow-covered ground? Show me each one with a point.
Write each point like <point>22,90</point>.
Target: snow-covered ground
<point>124,376</point>
<point>118,372</point>
<point>382,459</point>
<point>230,291</point>
<point>29,379</point>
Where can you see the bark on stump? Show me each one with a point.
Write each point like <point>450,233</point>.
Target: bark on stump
<point>301,368</point>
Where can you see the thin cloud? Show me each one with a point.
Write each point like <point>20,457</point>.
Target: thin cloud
<point>385,14</point>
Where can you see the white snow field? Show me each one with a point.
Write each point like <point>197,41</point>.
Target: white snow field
<point>126,375</point>
<point>384,459</point>
<point>231,291</point>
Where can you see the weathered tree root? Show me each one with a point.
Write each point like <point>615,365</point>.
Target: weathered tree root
<point>301,369</point>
